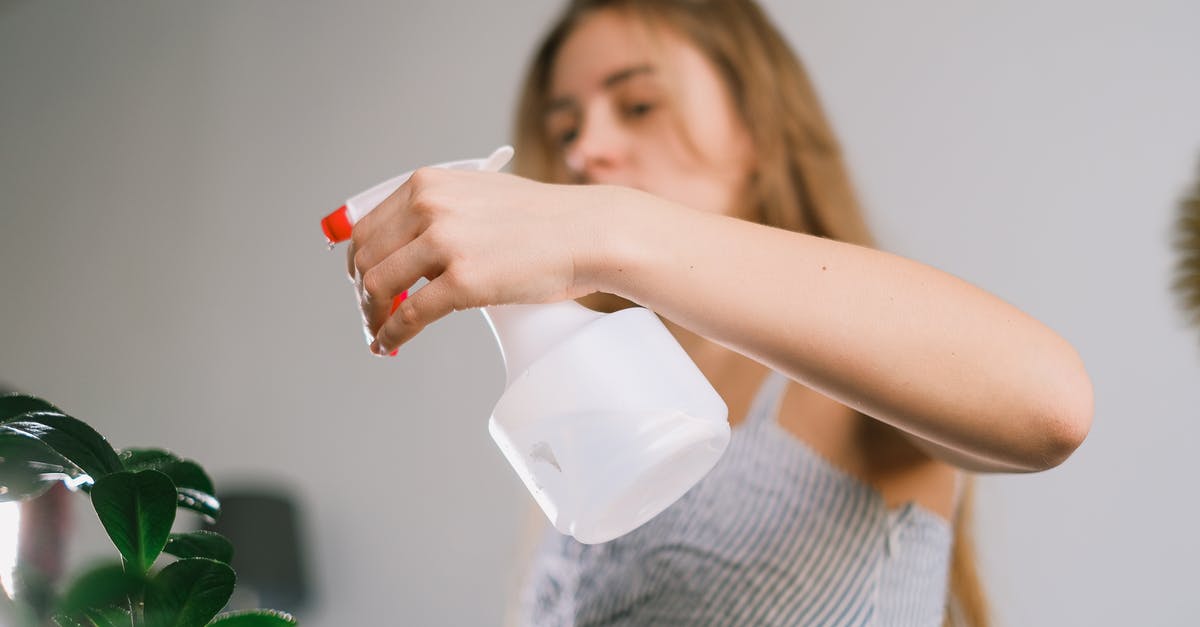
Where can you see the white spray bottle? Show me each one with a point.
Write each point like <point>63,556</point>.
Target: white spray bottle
<point>604,417</point>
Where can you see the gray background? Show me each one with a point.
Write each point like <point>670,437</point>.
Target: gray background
<point>163,166</point>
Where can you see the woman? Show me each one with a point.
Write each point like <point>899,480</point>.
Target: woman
<point>861,386</point>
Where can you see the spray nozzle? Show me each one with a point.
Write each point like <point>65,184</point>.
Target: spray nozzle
<point>338,225</point>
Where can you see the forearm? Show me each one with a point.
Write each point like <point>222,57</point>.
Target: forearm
<point>902,342</point>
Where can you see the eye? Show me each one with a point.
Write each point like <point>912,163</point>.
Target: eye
<point>639,109</point>
<point>566,137</point>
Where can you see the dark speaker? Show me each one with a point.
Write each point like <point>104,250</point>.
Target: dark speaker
<point>268,548</point>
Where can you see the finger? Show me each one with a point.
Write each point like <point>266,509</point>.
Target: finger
<point>368,254</point>
<point>379,218</point>
<point>350,249</point>
<point>396,305</point>
<point>394,274</point>
<point>422,308</point>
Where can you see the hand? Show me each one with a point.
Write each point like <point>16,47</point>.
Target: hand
<point>479,238</point>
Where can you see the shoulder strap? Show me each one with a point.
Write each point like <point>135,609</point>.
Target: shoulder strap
<point>766,402</point>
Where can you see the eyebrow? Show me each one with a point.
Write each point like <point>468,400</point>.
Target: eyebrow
<point>611,81</point>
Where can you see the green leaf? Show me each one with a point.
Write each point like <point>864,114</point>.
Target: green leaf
<point>28,467</point>
<point>12,405</point>
<point>137,510</point>
<point>188,593</point>
<point>195,488</point>
<point>143,458</point>
<point>108,617</point>
<point>208,544</point>
<point>254,618</point>
<point>69,437</point>
<point>62,620</point>
<point>99,588</point>
<point>198,501</point>
<point>184,472</point>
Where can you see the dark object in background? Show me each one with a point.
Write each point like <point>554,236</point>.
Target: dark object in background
<point>41,546</point>
<point>264,525</point>
<point>41,541</point>
<point>1187,242</point>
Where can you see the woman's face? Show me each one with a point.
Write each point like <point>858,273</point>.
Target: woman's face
<point>646,109</point>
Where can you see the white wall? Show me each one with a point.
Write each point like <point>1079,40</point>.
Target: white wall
<point>163,166</point>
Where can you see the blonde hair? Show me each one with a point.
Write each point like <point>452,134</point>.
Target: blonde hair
<point>800,183</point>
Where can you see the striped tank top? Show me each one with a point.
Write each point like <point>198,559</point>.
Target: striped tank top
<point>773,535</point>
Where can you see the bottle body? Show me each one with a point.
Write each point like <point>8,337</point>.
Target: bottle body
<point>610,426</point>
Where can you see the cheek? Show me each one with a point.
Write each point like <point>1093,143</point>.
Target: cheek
<point>712,180</point>
<point>706,173</point>
<point>702,189</point>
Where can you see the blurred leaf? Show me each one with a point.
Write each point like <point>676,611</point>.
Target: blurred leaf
<point>254,618</point>
<point>195,488</point>
<point>137,510</point>
<point>108,617</point>
<point>12,405</point>
<point>208,544</point>
<point>28,466</point>
<point>188,593</point>
<point>62,620</point>
<point>71,438</point>
<point>198,501</point>
<point>100,588</point>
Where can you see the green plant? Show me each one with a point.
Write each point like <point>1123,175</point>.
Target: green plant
<point>135,493</point>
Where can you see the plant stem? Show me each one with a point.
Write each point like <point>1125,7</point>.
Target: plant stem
<point>137,608</point>
<point>136,602</point>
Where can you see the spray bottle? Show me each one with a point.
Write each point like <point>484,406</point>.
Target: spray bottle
<point>605,418</point>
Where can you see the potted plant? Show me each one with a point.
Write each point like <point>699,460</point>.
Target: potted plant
<point>162,579</point>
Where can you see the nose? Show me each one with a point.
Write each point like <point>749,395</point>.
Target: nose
<point>600,152</point>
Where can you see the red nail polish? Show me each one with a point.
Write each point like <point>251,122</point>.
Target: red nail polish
<point>396,302</point>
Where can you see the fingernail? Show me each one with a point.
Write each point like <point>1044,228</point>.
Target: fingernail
<point>395,352</point>
<point>396,302</point>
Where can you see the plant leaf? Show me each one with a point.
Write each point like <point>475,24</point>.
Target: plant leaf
<point>143,458</point>
<point>188,593</point>
<point>208,544</point>
<point>69,437</point>
<point>184,472</point>
<point>198,501</point>
<point>62,620</point>
<point>137,510</point>
<point>195,488</point>
<point>254,618</point>
<point>12,405</point>
<point>99,588</point>
<point>28,467</point>
<point>108,617</point>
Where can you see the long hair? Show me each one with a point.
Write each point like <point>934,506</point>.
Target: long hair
<point>801,182</point>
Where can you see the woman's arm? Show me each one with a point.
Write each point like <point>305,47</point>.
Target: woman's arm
<point>985,385</point>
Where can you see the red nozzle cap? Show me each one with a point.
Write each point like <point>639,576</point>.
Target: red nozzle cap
<point>337,225</point>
